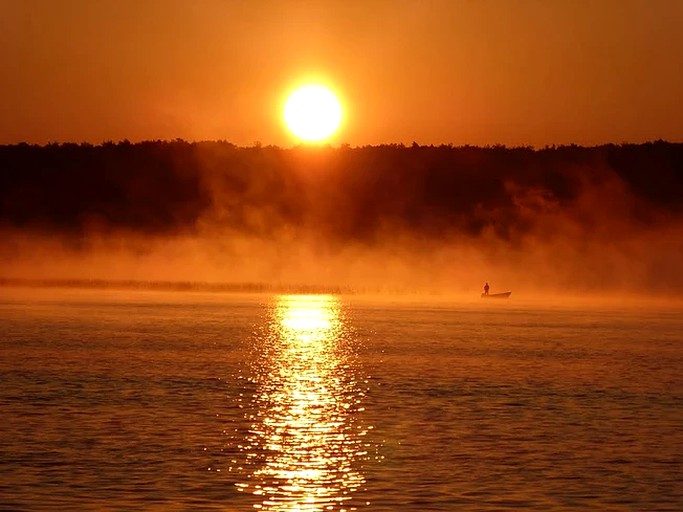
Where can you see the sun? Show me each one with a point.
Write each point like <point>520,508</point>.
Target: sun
<point>312,113</point>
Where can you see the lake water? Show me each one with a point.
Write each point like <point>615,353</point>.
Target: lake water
<point>131,400</point>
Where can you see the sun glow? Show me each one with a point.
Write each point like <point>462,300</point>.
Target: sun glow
<point>312,113</point>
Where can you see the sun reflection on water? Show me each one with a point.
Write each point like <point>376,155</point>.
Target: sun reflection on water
<point>306,445</point>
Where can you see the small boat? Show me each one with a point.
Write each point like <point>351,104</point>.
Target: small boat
<point>501,295</point>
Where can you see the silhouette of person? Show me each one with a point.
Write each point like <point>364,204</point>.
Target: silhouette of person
<point>486,288</point>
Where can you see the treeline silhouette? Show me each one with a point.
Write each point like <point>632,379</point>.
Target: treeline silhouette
<point>342,194</point>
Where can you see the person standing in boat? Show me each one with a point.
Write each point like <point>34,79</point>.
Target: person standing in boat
<point>486,288</point>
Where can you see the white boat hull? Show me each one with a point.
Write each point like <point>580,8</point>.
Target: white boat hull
<point>502,295</point>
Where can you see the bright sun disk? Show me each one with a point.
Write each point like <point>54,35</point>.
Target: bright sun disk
<point>312,113</point>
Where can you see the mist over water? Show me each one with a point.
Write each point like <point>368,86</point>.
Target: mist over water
<point>384,218</point>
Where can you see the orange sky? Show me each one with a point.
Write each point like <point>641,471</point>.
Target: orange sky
<point>461,72</point>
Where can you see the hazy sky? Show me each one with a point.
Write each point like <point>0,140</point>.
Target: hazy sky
<point>461,72</point>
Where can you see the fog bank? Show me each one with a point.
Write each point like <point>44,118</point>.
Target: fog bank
<point>436,219</point>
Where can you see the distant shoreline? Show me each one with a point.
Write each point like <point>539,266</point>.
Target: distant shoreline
<point>180,286</point>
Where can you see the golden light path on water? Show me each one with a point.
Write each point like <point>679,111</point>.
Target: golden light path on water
<point>306,445</point>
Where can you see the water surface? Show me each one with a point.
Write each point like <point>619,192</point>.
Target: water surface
<point>119,400</point>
